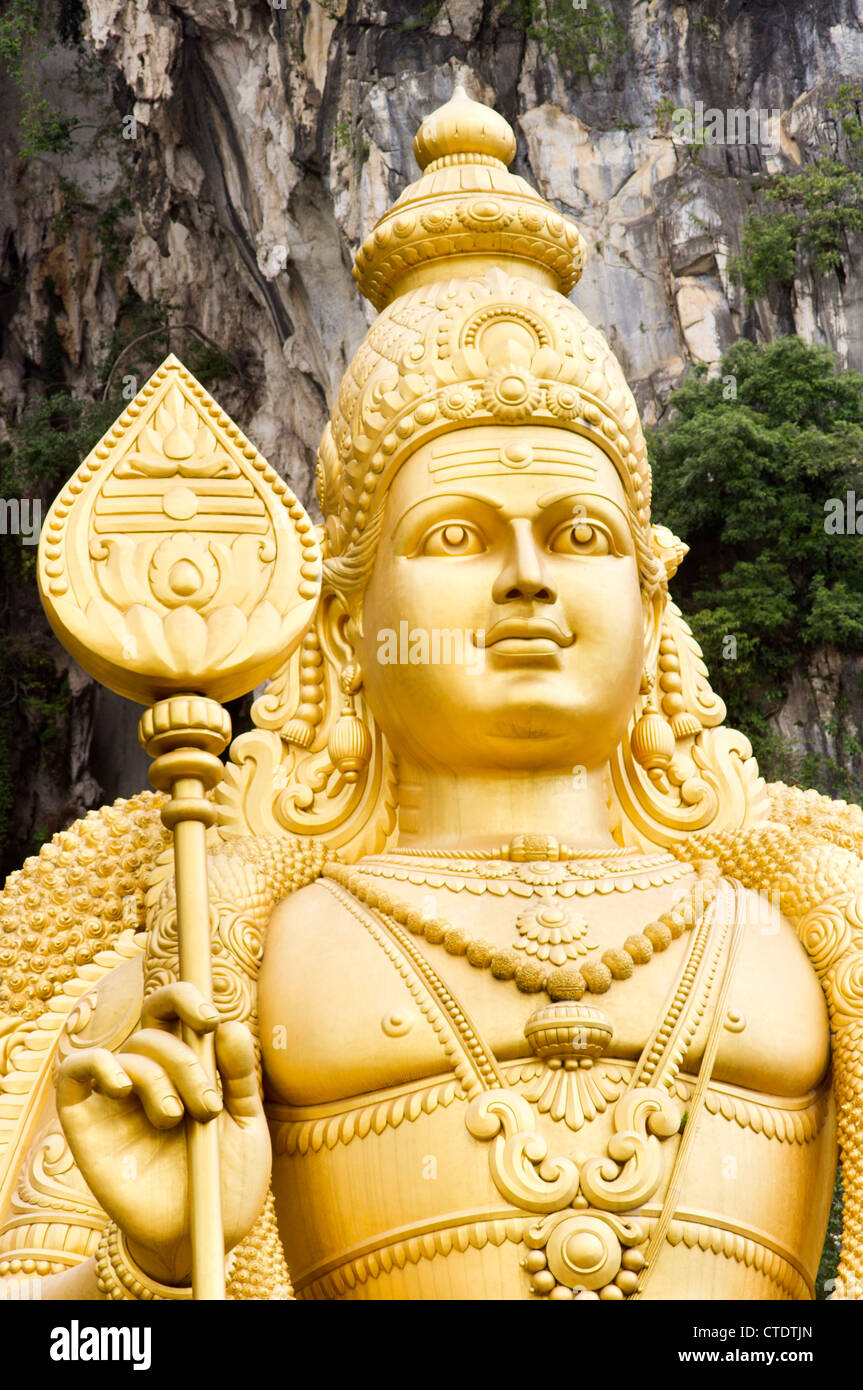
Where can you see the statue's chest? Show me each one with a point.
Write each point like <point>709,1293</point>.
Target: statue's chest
<point>345,1012</point>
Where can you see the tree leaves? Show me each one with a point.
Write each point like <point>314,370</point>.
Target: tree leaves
<point>743,469</point>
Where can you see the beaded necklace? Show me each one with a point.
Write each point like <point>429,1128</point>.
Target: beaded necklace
<point>559,982</point>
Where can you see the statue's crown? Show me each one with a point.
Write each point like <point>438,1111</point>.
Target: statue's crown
<point>470,270</point>
<point>467,213</point>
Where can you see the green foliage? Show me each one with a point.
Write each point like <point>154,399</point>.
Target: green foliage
<point>343,132</point>
<point>707,26</point>
<point>845,105</point>
<point>768,252</point>
<point>663,113</point>
<point>19,27</point>
<point>206,361</point>
<point>811,213</point>
<point>584,39</point>
<point>44,447</point>
<point>143,336</point>
<point>742,471</point>
<point>348,137</point>
<point>30,681</point>
<point>43,129</point>
<point>422,19</point>
<point>780,761</point>
<point>108,232</point>
<point>51,438</point>
<point>827,199</point>
<point>23,45</point>
<point>836,608</point>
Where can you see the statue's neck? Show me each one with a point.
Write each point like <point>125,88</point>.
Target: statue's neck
<point>479,811</point>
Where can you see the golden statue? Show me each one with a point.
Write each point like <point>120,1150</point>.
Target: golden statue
<point>523,983</point>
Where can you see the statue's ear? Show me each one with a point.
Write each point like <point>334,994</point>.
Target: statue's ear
<point>337,629</point>
<point>654,611</point>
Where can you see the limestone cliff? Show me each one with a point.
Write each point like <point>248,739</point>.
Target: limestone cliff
<point>219,161</point>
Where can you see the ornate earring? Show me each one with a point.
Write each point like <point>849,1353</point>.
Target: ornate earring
<point>301,729</point>
<point>652,741</point>
<point>672,703</point>
<point>349,743</point>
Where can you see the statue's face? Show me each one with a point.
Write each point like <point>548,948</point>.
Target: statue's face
<point>503,625</point>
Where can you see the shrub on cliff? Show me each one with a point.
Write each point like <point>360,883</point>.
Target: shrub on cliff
<point>745,467</point>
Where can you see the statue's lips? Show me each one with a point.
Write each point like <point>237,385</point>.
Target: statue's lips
<point>527,637</point>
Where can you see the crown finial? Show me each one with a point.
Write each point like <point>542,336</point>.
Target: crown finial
<point>464,127</point>
<point>467,214</point>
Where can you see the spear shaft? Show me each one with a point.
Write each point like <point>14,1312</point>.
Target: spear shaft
<point>184,734</point>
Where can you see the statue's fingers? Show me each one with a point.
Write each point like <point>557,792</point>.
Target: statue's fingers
<point>179,1002</point>
<point>235,1058</point>
<point>93,1069</point>
<point>162,1105</point>
<point>196,1090</point>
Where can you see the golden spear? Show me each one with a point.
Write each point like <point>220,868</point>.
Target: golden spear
<point>180,571</point>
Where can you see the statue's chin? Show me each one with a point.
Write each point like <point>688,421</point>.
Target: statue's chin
<point>537,742</point>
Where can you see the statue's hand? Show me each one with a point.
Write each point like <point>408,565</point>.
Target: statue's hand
<point>122,1112</point>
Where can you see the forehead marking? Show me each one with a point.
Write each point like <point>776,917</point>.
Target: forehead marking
<point>483,460</point>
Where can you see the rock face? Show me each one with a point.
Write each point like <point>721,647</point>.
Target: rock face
<point>228,156</point>
<point>821,721</point>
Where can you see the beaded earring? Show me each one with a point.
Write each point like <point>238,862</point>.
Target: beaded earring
<point>349,743</point>
<point>652,741</point>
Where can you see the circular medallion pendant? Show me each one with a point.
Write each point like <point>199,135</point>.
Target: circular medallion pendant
<point>550,932</point>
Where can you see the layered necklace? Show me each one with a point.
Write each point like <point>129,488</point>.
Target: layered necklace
<point>550,940</point>
<point>566,876</point>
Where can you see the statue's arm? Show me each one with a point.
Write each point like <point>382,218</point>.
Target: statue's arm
<point>50,1221</point>
<point>843,986</point>
<point>812,854</point>
<point>832,933</point>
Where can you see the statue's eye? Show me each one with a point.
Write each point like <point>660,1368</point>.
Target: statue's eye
<point>455,538</point>
<point>582,538</point>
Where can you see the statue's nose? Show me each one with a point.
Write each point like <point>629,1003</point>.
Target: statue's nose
<point>523,575</point>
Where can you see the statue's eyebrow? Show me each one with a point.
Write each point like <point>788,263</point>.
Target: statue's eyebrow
<point>551,498</point>
<point>445,497</point>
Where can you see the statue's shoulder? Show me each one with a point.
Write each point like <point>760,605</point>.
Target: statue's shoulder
<point>76,898</point>
<point>286,864</point>
<point>246,875</point>
<point>807,851</point>
<point>807,861</point>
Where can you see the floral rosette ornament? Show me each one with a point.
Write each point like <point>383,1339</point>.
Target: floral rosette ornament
<point>844,988</point>
<point>826,934</point>
<point>563,401</point>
